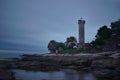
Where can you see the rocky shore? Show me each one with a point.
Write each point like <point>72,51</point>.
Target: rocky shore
<point>104,65</point>
<point>6,75</point>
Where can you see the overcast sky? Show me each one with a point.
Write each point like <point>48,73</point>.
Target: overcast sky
<point>30,24</point>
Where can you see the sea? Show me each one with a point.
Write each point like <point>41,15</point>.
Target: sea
<point>66,74</point>
<point>15,54</point>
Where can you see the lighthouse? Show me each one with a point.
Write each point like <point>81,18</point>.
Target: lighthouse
<point>81,34</point>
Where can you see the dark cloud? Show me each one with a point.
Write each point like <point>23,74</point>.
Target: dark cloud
<point>31,24</point>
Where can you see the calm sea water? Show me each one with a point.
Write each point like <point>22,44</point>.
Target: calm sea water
<point>8,55</point>
<point>66,74</point>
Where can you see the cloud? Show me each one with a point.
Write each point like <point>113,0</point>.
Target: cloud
<point>33,23</point>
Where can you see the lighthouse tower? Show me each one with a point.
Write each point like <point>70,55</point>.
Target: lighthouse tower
<point>81,36</point>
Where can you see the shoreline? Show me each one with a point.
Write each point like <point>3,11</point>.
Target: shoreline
<point>103,65</point>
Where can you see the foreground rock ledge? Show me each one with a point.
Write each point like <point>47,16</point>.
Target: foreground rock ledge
<point>6,75</point>
<point>103,65</point>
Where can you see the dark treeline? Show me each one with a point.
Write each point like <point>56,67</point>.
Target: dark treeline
<point>108,38</point>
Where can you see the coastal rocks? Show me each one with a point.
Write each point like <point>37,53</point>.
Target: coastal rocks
<point>6,75</point>
<point>116,55</point>
<point>35,65</point>
<point>83,64</point>
<point>107,67</point>
<point>108,62</point>
<point>107,74</point>
<point>103,65</point>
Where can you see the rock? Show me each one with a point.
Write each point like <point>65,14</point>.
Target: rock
<point>105,60</point>
<point>115,55</point>
<point>83,62</point>
<point>102,63</point>
<point>6,75</point>
<point>107,74</point>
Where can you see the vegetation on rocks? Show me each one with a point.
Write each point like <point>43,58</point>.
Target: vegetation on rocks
<point>59,47</point>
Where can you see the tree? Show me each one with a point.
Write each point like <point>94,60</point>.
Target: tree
<point>71,42</point>
<point>103,34</point>
<point>108,38</point>
<point>115,27</point>
<point>61,45</point>
<point>52,45</point>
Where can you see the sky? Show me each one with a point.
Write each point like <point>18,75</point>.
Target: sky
<point>29,25</point>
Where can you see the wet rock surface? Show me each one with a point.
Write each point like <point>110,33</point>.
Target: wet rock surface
<point>107,74</point>
<point>104,65</point>
<point>6,75</point>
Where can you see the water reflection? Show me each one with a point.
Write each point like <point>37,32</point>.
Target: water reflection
<point>71,74</point>
<point>65,74</point>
